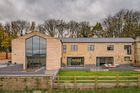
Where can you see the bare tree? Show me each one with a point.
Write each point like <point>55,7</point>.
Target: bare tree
<point>125,23</point>
<point>20,26</point>
<point>41,28</point>
<point>33,26</point>
<point>61,28</point>
<point>73,29</point>
<point>50,27</point>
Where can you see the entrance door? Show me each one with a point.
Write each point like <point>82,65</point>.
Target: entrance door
<point>75,61</point>
<point>100,61</point>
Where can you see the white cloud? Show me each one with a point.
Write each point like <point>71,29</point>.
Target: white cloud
<point>78,10</point>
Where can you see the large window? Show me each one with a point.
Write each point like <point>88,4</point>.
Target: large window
<point>101,61</point>
<point>35,52</point>
<point>75,61</point>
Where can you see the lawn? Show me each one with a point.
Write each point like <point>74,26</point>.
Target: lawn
<point>98,73</point>
<point>114,90</point>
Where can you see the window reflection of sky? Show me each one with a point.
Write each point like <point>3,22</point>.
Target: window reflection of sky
<point>36,50</point>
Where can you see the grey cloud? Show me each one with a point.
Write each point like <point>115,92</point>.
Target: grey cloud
<point>78,10</point>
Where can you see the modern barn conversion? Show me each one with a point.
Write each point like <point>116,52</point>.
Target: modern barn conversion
<point>36,50</point>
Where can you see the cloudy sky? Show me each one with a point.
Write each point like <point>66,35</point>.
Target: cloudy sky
<point>78,10</point>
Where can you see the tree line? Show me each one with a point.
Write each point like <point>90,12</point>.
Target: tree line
<point>125,23</point>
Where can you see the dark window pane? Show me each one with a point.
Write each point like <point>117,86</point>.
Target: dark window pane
<point>128,49</point>
<point>64,48</point>
<point>110,47</point>
<point>74,47</point>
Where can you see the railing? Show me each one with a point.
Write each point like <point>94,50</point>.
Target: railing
<point>78,82</point>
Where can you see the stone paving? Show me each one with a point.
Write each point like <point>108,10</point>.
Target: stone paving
<point>17,69</point>
<point>95,68</point>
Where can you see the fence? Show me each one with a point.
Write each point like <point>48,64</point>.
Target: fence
<point>94,82</point>
<point>31,82</point>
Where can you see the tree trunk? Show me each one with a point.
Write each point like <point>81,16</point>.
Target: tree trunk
<point>7,53</point>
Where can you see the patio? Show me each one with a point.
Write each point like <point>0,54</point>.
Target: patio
<point>102,68</point>
<point>17,69</point>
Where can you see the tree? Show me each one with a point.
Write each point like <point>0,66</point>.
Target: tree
<point>61,28</point>
<point>97,30</point>
<point>33,26</point>
<point>2,34</point>
<point>5,40</point>
<point>41,28</point>
<point>125,23</point>
<point>73,28</point>
<point>20,26</point>
<point>85,30</point>
<point>50,27</point>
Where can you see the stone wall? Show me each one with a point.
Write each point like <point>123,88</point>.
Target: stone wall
<point>24,82</point>
<point>100,50</point>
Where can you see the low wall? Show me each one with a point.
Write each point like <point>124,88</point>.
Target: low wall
<point>24,82</point>
<point>37,82</point>
<point>3,55</point>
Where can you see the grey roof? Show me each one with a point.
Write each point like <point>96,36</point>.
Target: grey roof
<point>98,40</point>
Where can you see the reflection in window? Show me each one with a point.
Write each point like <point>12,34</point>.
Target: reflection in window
<point>74,47</point>
<point>128,49</point>
<point>35,52</point>
<point>64,48</point>
<point>90,47</point>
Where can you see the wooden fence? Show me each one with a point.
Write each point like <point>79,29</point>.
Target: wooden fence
<point>95,82</point>
<point>22,82</point>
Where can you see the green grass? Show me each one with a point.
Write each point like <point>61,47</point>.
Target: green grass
<point>115,90</point>
<point>98,73</point>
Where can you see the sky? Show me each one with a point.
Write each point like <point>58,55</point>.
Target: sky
<point>79,10</point>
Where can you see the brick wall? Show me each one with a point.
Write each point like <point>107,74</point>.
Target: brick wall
<point>3,55</point>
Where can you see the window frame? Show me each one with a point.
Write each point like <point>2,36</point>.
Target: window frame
<point>110,47</point>
<point>74,47</point>
<point>41,42</point>
<point>128,49</point>
<point>91,47</point>
<point>64,48</point>
<point>127,57</point>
